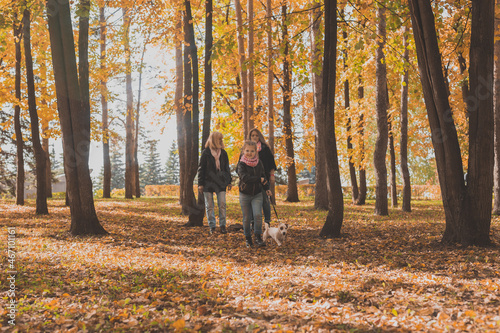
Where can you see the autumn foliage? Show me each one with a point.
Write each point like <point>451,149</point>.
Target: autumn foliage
<point>149,274</point>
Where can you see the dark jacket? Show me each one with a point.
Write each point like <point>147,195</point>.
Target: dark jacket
<point>250,178</point>
<point>208,176</point>
<point>267,159</point>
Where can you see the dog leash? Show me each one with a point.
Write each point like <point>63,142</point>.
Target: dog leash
<point>274,207</point>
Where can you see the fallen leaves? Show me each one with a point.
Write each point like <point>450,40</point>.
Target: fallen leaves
<point>150,274</point>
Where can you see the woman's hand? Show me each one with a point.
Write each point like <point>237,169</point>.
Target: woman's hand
<point>200,188</point>
<point>269,193</point>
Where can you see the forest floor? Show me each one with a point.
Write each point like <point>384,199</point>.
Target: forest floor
<point>150,274</point>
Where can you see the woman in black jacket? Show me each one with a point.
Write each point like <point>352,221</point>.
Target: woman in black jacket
<point>267,158</point>
<point>214,175</point>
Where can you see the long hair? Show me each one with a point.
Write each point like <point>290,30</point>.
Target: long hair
<point>259,133</point>
<point>214,141</point>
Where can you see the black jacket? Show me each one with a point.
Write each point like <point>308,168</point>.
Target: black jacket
<point>267,159</point>
<point>208,176</point>
<point>250,178</point>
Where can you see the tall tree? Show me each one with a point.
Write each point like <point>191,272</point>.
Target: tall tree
<point>270,90</point>
<point>151,170</point>
<point>75,123</point>
<point>362,168</point>
<point>406,206</point>
<point>320,187</point>
<point>392,153</point>
<point>292,194</point>
<point>251,71</point>
<point>117,170</point>
<point>40,157</point>
<point>179,108</point>
<point>243,70</point>
<point>17,115</point>
<point>172,167</point>
<point>467,203</point>
<point>496,101</point>
<point>129,118</point>
<point>209,41</point>
<point>381,204</point>
<point>335,217</point>
<point>106,182</point>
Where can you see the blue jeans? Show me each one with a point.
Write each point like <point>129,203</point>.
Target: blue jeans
<point>210,208</point>
<point>251,205</point>
<point>266,206</point>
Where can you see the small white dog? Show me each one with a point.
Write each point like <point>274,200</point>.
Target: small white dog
<point>277,233</point>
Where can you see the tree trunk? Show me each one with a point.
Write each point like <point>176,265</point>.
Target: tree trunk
<point>467,206</point>
<point>406,206</point>
<point>476,230</point>
<point>45,147</point>
<point>362,170</point>
<point>129,122</point>
<point>496,101</point>
<point>191,120</point>
<point>73,119</point>
<point>320,187</point>
<point>379,155</point>
<point>292,192</point>
<point>209,41</point>
<point>179,110</point>
<point>335,217</point>
<point>350,152</point>
<point>251,74</point>
<point>106,182</point>
<point>243,71</point>
<point>270,90</point>
<point>137,185</point>
<point>40,158</point>
<point>392,152</point>
<point>17,116</point>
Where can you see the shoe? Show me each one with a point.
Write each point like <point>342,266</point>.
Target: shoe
<point>249,241</point>
<point>258,241</point>
<point>212,230</point>
<point>223,229</point>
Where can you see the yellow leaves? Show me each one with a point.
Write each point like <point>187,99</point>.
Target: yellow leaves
<point>179,324</point>
<point>470,313</point>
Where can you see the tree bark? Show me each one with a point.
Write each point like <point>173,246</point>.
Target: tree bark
<point>392,152</point>
<point>496,100</point>
<point>179,109</point>
<point>320,187</point>
<point>251,73</point>
<point>270,90</point>
<point>209,41</point>
<point>350,152</point>
<point>292,191</point>
<point>467,206</point>
<point>379,155</point>
<point>106,183</point>
<point>17,116</point>
<point>406,206</point>
<point>334,219</point>
<point>243,71</point>
<point>362,170</point>
<point>40,158</point>
<point>130,121</point>
<point>73,120</point>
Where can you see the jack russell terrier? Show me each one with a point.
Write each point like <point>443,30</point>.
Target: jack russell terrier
<point>277,233</point>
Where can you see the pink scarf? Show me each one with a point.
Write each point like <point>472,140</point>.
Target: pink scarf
<point>259,146</point>
<point>216,155</point>
<point>250,162</point>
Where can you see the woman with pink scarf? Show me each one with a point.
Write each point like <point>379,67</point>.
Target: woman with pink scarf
<point>214,176</point>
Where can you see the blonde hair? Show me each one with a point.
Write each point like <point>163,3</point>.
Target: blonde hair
<point>249,143</point>
<point>259,133</point>
<point>214,141</point>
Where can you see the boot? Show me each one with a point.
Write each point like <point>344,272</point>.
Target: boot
<point>258,241</point>
<point>249,241</point>
<point>223,229</point>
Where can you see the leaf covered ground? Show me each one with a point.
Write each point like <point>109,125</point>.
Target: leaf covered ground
<point>152,275</point>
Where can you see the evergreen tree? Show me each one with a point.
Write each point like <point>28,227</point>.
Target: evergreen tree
<point>151,169</point>
<point>172,166</point>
